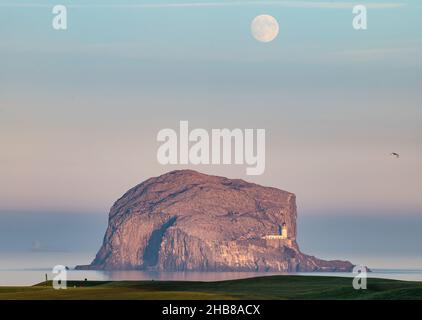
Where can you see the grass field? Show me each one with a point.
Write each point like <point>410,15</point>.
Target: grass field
<point>270,287</point>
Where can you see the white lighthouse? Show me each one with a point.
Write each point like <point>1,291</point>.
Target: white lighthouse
<point>281,234</point>
<point>284,231</point>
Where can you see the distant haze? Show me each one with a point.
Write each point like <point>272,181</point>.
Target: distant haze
<point>392,242</point>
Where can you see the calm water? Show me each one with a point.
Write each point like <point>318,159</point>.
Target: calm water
<point>30,268</point>
<point>30,277</point>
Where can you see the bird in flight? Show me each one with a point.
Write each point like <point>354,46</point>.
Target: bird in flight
<point>394,154</point>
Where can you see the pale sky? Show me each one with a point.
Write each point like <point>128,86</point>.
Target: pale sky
<point>80,109</point>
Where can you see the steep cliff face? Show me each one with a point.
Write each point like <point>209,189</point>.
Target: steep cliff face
<point>186,220</point>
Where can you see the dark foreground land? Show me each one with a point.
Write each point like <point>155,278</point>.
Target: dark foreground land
<point>271,287</point>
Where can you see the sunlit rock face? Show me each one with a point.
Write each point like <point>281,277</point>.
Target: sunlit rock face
<point>185,220</point>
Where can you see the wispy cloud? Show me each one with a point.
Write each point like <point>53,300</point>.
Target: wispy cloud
<point>412,54</point>
<point>289,4</point>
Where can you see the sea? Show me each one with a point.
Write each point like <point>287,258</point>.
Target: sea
<point>29,268</point>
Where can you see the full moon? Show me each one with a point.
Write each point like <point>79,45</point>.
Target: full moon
<point>264,28</point>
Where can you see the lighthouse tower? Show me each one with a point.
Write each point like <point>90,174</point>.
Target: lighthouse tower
<point>284,231</point>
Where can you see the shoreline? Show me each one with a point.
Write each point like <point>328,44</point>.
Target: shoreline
<point>289,287</point>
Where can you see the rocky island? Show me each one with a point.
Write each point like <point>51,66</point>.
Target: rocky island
<point>188,221</point>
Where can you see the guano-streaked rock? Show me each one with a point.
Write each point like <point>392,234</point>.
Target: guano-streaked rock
<point>188,221</point>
